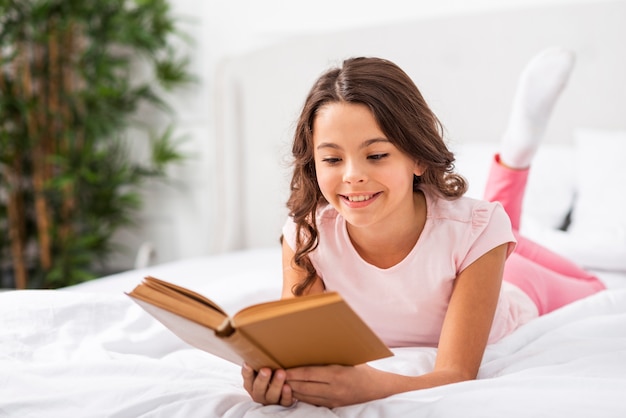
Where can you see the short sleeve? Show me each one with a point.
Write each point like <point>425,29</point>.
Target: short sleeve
<point>289,232</point>
<point>490,228</point>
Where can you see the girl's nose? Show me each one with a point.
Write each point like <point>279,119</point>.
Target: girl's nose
<point>354,173</point>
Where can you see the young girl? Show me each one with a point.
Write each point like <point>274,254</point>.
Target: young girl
<point>378,214</point>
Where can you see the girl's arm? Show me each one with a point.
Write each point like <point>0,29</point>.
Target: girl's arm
<point>461,346</point>
<point>470,315</point>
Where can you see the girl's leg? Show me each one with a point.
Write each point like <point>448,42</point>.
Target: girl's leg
<point>538,90</point>
<point>548,278</point>
<point>507,186</point>
<point>547,288</point>
<point>539,87</point>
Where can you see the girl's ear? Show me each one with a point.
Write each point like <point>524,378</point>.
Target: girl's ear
<point>419,169</point>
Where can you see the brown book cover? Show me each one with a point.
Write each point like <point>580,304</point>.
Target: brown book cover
<point>307,330</point>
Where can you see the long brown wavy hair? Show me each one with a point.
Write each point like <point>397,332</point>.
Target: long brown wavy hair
<point>403,116</point>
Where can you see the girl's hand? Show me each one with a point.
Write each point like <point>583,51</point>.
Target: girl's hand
<point>333,386</point>
<point>267,388</point>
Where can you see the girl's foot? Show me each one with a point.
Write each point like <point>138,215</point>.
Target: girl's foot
<point>540,85</point>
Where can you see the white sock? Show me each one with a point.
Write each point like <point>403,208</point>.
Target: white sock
<point>538,89</point>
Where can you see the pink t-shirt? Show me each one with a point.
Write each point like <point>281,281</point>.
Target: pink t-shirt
<point>406,304</point>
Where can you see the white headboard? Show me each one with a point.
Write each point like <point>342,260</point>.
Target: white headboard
<point>466,66</point>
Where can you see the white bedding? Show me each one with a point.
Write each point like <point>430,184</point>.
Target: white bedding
<point>89,351</point>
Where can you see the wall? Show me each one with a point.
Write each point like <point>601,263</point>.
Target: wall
<point>180,217</point>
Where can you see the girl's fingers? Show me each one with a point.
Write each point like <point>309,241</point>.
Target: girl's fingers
<point>248,375</point>
<point>267,387</point>
<point>274,390</point>
<point>260,385</point>
<point>286,398</point>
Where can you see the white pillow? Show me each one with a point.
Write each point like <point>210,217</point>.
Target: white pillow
<point>472,162</point>
<point>550,190</point>
<point>599,216</point>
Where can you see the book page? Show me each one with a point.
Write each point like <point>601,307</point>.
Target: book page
<point>234,348</point>
<point>184,292</point>
<point>169,297</point>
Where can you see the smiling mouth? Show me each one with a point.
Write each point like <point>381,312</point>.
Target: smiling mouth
<point>360,198</point>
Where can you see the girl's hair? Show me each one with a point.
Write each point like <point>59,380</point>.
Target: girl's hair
<point>403,116</point>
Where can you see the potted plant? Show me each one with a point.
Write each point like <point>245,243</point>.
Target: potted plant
<point>73,75</point>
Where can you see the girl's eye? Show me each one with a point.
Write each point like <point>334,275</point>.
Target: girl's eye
<point>377,157</point>
<point>331,160</point>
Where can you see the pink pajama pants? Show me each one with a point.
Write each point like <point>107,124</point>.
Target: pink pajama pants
<point>549,279</point>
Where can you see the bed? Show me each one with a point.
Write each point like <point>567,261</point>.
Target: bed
<point>89,351</point>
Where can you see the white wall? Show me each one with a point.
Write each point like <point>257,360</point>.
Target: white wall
<point>241,24</point>
<point>179,217</point>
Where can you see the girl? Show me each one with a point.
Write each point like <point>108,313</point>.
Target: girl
<point>378,214</point>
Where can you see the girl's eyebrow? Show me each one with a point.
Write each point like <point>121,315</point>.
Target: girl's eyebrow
<point>364,144</point>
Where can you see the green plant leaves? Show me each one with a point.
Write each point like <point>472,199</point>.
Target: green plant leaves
<point>73,74</point>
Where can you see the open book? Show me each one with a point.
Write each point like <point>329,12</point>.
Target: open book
<point>307,330</point>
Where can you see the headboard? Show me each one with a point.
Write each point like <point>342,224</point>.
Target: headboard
<point>466,66</point>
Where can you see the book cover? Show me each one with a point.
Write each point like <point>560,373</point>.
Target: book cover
<point>307,330</point>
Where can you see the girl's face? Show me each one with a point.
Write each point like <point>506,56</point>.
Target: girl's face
<point>359,171</point>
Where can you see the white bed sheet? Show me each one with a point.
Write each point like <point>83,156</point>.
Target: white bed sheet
<point>88,351</point>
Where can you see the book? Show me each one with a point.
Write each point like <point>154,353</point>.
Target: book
<point>307,330</point>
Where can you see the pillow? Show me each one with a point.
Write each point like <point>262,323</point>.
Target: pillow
<point>550,190</point>
<point>472,162</point>
<point>598,222</point>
